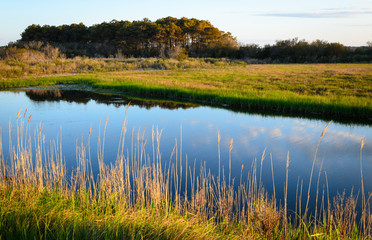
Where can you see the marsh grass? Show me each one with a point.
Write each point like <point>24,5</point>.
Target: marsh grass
<point>144,195</point>
<point>31,63</point>
<point>337,90</point>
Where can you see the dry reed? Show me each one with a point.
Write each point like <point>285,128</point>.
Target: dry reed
<point>138,182</point>
<point>312,168</point>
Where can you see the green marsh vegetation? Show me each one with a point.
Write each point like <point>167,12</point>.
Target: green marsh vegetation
<point>144,194</point>
<point>337,90</point>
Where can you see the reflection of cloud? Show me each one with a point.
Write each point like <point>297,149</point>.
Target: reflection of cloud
<point>304,124</point>
<point>277,152</point>
<point>255,131</point>
<point>202,140</point>
<point>341,141</point>
<point>335,141</point>
<point>303,132</point>
<point>210,126</point>
<point>244,140</point>
<point>294,139</point>
<point>276,132</point>
<point>191,122</point>
<point>339,134</point>
<point>298,128</point>
<point>326,13</point>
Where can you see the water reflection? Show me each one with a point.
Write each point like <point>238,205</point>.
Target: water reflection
<point>84,97</point>
<point>118,100</point>
<point>73,113</point>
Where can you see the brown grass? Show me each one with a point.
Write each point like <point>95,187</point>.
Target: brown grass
<point>137,182</point>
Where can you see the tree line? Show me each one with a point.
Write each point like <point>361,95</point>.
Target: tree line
<point>165,37</point>
<point>182,38</point>
<point>301,51</point>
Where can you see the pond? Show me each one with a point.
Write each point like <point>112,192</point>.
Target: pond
<point>70,115</point>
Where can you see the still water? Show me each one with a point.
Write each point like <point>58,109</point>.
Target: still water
<point>71,115</point>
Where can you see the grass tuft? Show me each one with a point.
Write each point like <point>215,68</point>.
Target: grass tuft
<point>140,197</point>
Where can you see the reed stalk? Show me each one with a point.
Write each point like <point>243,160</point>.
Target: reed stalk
<point>165,200</point>
<point>285,197</point>
<point>312,169</point>
<point>363,222</point>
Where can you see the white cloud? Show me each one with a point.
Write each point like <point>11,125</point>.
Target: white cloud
<point>325,13</point>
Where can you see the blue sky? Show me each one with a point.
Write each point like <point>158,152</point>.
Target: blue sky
<point>346,21</point>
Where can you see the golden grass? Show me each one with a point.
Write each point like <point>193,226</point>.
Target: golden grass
<point>163,198</point>
<point>341,90</point>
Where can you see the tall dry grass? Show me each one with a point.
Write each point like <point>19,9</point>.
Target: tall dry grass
<point>40,59</point>
<point>140,182</point>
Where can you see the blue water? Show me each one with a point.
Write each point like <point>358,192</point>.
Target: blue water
<point>339,149</point>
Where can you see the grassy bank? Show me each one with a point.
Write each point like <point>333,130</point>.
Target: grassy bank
<point>339,90</point>
<point>144,196</point>
<point>35,63</point>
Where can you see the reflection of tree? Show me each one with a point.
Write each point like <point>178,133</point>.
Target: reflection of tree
<point>84,97</point>
<point>41,95</point>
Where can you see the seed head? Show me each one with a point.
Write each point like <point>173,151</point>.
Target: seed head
<point>287,165</point>
<point>19,114</point>
<point>325,129</point>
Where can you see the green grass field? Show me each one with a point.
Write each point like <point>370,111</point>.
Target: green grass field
<point>338,90</point>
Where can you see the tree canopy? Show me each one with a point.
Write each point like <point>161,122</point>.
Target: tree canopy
<point>183,37</point>
<point>138,38</point>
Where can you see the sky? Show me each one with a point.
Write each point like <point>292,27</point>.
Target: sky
<point>261,22</point>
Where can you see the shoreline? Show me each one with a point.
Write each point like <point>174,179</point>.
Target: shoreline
<point>327,91</point>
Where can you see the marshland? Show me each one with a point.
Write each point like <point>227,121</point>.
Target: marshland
<point>183,146</point>
<point>108,166</point>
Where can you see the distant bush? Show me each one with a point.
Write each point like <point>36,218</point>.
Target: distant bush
<point>300,51</point>
<point>33,51</point>
<point>37,58</point>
